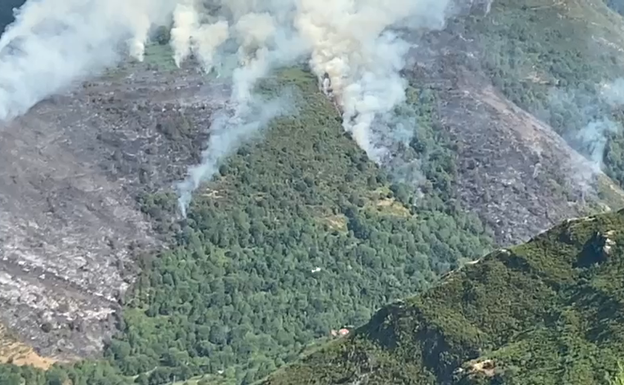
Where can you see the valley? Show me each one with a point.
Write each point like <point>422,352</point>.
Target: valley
<point>299,233</point>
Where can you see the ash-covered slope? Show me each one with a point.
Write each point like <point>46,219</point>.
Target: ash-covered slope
<point>73,166</point>
<point>72,170</point>
<point>548,312</point>
<point>514,170</point>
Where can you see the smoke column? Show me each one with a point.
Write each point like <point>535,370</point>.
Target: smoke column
<point>228,131</point>
<point>186,24</point>
<point>53,43</point>
<point>593,137</point>
<point>226,134</point>
<point>613,93</point>
<point>583,116</point>
<point>359,43</point>
<point>255,36</point>
<point>351,41</point>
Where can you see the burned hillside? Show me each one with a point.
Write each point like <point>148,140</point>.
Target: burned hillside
<point>78,163</point>
<point>73,169</point>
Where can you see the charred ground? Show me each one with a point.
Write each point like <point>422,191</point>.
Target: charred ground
<point>73,169</point>
<point>81,169</point>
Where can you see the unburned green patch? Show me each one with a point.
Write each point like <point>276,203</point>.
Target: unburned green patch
<point>528,315</point>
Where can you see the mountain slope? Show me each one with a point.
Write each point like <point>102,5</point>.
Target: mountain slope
<point>545,312</point>
<point>70,223</point>
<point>514,170</point>
<point>552,59</point>
<point>298,233</point>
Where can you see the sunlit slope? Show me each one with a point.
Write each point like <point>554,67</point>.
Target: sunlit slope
<point>551,58</point>
<point>545,312</point>
<point>298,234</point>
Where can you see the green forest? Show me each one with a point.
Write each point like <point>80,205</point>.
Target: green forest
<point>542,313</point>
<point>298,234</point>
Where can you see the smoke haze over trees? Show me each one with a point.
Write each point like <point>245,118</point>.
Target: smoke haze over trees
<point>299,229</point>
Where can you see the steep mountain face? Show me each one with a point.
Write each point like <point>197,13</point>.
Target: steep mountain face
<point>70,226</point>
<point>299,233</point>
<point>545,312</point>
<point>514,171</point>
<point>560,61</point>
<point>299,228</point>
<point>550,60</point>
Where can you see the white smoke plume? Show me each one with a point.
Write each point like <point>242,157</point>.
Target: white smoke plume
<point>227,132</point>
<point>583,120</point>
<point>595,135</point>
<point>352,41</point>
<point>207,39</point>
<point>613,92</point>
<point>190,35</point>
<point>358,43</point>
<point>355,42</point>
<point>53,43</point>
<point>254,31</point>
<point>185,25</point>
<point>593,139</point>
<point>250,112</point>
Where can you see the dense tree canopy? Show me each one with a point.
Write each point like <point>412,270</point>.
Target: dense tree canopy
<point>298,234</point>
<point>545,312</point>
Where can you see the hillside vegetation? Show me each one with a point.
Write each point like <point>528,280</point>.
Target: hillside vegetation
<point>299,234</point>
<point>546,312</point>
<point>551,58</point>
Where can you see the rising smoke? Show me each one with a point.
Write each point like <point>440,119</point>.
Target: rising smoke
<point>595,135</point>
<point>583,119</point>
<point>593,140</point>
<point>226,133</point>
<point>53,43</point>
<point>358,43</point>
<point>613,92</point>
<point>354,43</point>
